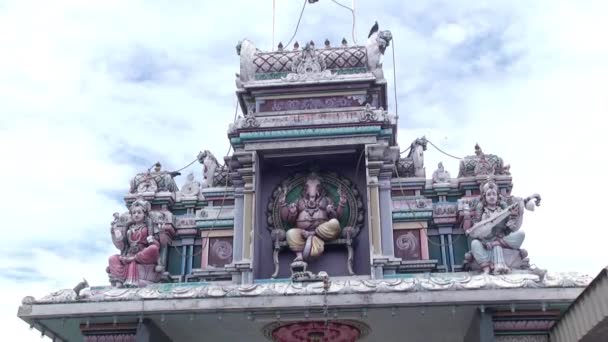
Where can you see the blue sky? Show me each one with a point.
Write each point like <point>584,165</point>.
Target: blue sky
<point>92,92</point>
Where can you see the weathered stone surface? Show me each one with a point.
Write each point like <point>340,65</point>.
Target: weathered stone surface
<point>420,283</point>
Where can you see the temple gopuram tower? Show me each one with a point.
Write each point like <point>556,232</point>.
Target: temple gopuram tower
<point>317,228</point>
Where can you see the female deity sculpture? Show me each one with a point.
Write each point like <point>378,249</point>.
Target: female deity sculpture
<point>314,217</point>
<point>135,265</point>
<point>494,227</point>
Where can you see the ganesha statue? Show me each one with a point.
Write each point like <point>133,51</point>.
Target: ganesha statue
<point>309,211</point>
<point>494,227</point>
<point>314,216</point>
<point>141,238</point>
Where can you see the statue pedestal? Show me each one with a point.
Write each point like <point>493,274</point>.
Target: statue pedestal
<point>515,259</point>
<point>298,267</point>
<point>300,274</point>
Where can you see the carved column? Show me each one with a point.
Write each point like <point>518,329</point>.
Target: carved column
<point>242,173</point>
<point>380,161</point>
<point>238,222</point>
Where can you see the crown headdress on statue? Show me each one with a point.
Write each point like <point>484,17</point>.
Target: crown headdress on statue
<point>487,185</point>
<point>141,202</point>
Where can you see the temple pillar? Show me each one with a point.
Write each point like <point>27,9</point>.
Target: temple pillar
<point>380,160</point>
<point>386,217</point>
<point>242,173</point>
<point>237,237</point>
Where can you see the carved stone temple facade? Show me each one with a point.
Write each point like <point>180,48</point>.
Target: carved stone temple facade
<point>317,228</point>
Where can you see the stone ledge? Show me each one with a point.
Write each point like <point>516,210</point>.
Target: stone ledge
<point>436,282</point>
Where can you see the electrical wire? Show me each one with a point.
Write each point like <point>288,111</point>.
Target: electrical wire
<point>395,80</point>
<point>298,25</point>
<point>208,231</point>
<point>352,11</point>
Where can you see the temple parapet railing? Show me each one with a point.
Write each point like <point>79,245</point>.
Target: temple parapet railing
<point>311,64</point>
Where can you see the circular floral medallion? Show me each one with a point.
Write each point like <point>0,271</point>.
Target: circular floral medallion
<point>222,249</point>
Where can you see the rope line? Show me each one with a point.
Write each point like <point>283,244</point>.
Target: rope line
<point>407,149</point>
<point>442,151</point>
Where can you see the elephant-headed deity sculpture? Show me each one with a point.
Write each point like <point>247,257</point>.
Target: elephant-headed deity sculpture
<point>311,210</point>
<point>494,227</point>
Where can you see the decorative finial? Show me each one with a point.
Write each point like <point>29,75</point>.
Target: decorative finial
<point>373,30</point>
<point>280,46</point>
<point>296,45</point>
<point>478,150</point>
<point>344,42</point>
<point>326,43</point>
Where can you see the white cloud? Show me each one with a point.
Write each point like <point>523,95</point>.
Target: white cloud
<point>452,34</point>
<point>523,80</point>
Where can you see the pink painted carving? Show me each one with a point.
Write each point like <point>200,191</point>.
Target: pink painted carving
<point>524,325</point>
<point>418,204</point>
<point>139,249</point>
<point>312,103</point>
<point>316,332</point>
<point>111,338</point>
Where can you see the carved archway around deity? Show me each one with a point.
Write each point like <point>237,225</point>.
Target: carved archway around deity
<point>354,210</point>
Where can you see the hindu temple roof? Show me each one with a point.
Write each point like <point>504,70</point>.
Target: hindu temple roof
<point>342,59</point>
<point>312,62</point>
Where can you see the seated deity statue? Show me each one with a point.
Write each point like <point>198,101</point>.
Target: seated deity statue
<point>494,228</point>
<point>136,265</point>
<point>441,175</point>
<point>314,217</point>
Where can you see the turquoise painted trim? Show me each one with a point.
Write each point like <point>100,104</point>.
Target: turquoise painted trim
<point>169,286</point>
<point>214,223</point>
<point>404,215</point>
<point>269,75</point>
<point>215,195</point>
<point>180,209</point>
<point>402,275</point>
<point>310,132</point>
<point>387,132</point>
<point>96,288</point>
<point>272,281</point>
<point>277,75</point>
<point>350,71</point>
